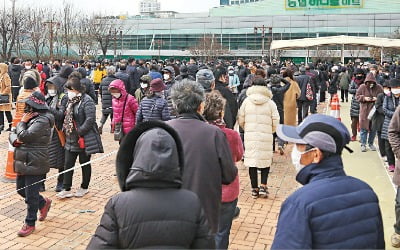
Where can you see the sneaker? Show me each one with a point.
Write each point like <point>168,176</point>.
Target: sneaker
<point>101,129</point>
<point>372,147</point>
<point>391,168</point>
<point>395,240</point>
<point>45,210</point>
<point>236,214</point>
<point>281,150</point>
<point>26,230</point>
<point>354,138</point>
<point>254,193</point>
<point>263,191</point>
<point>59,187</point>
<point>81,192</point>
<point>65,194</point>
<point>363,148</point>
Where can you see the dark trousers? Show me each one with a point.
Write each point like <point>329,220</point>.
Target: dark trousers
<point>70,159</point>
<point>344,95</point>
<point>8,115</point>
<point>226,213</point>
<point>355,121</point>
<point>33,199</point>
<point>254,176</point>
<point>104,117</point>
<point>381,144</point>
<point>389,153</point>
<point>397,212</point>
<point>15,92</point>
<point>322,96</point>
<point>302,110</point>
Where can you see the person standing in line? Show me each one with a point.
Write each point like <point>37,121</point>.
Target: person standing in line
<point>332,210</point>
<point>98,74</point>
<point>31,139</point>
<point>5,90</point>
<point>213,113</point>
<point>367,95</point>
<point>305,100</point>
<point>290,98</point>
<point>106,98</point>
<point>344,84</point>
<point>234,82</point>
<point>14,71</point>
<point>379,117</point>
<point>258,116</point>
<point>143,91</point>
<point>82,136</point>
<point>358,80</point>
<point>207,155</point>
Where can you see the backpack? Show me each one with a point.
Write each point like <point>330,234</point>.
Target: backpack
<point>309,92</point>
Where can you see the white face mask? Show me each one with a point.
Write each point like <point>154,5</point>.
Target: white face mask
<point>28,67</point>
<point>396,91</point>
<point>386,91</point>
<point>143,85</point>
<point>52,92</point>
<point>116,95</point>
<point>71,95</point>
<point>296,158</point>
<point>166,77</point>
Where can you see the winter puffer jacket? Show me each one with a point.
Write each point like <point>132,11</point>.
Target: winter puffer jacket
<point>230,117</point>
<point>355,105</point>
<point>57,105</point>
<point>303,80</point>
<point>153,108</point>
<point>85,118</point>
<point>259,118</point>
<point>149,169</point>
<point>128,112</point>
<point>61,78</point>
<point>379,117</point>
<point>88,84</point>
<point>14,71</point>
<point>390,104</point>
<point>32,158</point>
<point>331,211</point>
<point>278,93</point>
<point>106,98</point>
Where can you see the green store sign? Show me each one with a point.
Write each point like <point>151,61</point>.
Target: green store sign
<point>322,4</point>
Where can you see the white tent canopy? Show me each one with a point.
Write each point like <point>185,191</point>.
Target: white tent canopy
<point>336,40</point>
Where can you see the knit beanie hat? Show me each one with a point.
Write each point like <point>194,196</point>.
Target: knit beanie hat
<point>31,79</point>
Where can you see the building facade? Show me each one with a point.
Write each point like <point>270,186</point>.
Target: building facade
<point>237,2</point>
<point>234,27</point>
<point>148,6</point>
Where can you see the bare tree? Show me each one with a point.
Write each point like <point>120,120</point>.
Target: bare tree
<point>83,37</point>
<point>101,27</point>
<point>67,22</point>
<point>208,48</point>
<point>10,23</point>
<point>36,30</point>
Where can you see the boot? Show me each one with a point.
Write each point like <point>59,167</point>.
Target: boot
<point>9,126</point>
<point>101,129</point>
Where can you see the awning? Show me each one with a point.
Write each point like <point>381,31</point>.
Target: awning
<point>336,40</point>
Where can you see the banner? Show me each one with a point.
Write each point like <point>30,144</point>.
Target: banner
<point>322,4</point>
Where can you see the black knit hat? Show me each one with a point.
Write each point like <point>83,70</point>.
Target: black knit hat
<point>37,101</point>
<point>394,83</point>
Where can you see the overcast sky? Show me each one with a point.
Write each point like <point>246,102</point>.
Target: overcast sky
<point>122,6</point>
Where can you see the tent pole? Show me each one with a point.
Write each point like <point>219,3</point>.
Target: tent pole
<point>381,55</point>
<point>342,54</point>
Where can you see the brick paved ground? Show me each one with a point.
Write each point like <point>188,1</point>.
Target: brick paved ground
<point>67,227</point>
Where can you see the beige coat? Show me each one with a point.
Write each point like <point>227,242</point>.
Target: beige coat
<point>290,103</point>
<point>259,117</point>
<point>5,86</point>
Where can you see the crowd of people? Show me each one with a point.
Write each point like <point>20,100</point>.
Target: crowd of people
<point>177,122</point>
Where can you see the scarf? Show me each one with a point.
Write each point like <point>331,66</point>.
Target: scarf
<point>69,114</point>
<point>219,123</point>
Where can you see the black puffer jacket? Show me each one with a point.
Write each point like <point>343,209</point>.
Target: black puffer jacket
<point>85,118</point>
<point>243,72</point>
<point>355,105</point>
<point>32,158</point>
<point>152,211</point>
<point>303,80</point>
<point>153,108</point>
<point>106,98</point>
<point>61,78</point>
<point>88,84</point>
<point>14,71</point>
<point>278,92</point>
<point>57,105</point>
<point>379,117</point>
<point>231,103</point>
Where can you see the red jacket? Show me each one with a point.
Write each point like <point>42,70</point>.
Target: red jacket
<point>131,107</point>
<point>231,192</point>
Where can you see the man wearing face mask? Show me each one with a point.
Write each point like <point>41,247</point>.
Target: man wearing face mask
<point>356,82</point>
<point>141,92</point>
<point>374,70</point>
<point>332,210</point>
<point>367,95</point>
<point>169,80</point>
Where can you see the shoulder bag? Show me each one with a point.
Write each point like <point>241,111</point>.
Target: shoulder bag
<point>118,130</point>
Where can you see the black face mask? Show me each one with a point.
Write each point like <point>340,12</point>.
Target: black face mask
<point>359,77</point>
<point>28,109</point>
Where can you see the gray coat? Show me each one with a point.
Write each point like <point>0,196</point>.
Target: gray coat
<point>208,162</point>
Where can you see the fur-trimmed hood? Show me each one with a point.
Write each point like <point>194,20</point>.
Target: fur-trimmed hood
<point>151,156</point>
<point>259,94</point>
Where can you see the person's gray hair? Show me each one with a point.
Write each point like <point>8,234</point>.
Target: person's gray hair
<point>187,95</point>
<point>111,70</point>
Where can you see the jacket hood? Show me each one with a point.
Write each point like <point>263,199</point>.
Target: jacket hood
<point>150,156</point>
<point>3,68</point>
<point>16,67</point>
<point>82,71</point>
<point>327,168</point>
<point>120,85</point>
<point>259,94</point>
<point>370,78</point>
<point>66,71</point>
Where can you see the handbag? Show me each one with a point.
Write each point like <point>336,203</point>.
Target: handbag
<point>61,136</point>
<point>4,98</point>
<point>81,139</point>
<point>371,113</point>
<point>118,130</point>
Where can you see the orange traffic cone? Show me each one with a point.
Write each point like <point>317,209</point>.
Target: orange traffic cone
<point>9,174</point>
<point>335,107</point>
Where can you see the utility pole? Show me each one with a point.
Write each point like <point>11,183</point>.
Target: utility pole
<point>159,43</point>
<point>51,24</point>
<point>262,28</point>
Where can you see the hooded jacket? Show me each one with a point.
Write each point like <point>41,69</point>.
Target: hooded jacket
<point>331,211</point>
<point>106,98</point>
<point>5,86</point>
<point>15,74</point>
<point>61,78</point>
<point>130,110</point>
<point>152,211</point>
<point>88,84</point>
<point>259,117</point>
<point>230,116</point>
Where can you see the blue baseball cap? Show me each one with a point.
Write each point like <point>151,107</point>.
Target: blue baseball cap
<point>320,131</point>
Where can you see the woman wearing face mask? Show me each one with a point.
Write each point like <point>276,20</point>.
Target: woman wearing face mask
<point>82,135</point>
<point>5,89</point>
<point>379,117</point>
<point>144,88</point>
<point>390,104</point>
<point>57,103</point>
<point>124,107</point>
<point>106,99</point>
<point>357,81</point>
<point>154,106</point>
<point>234,81</point>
